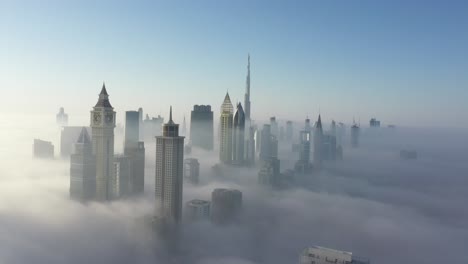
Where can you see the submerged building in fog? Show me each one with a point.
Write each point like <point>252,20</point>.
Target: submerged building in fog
<point>192,170</point>
<point>274,126</point>
<point>169,172</point>
<point>83,169</point>
<point>303,165</point>
<point>225,133</point>
<point>197,210</point>
<point>61,118</point>
<point>43,149</point>
<point>238,153</point>
<point>318,144</point>
<point>201,127</point>
<point>226,205</point>
<point>374,122</point>
<point>247,92</point>
<point>268,144</point>
<point>322,255</point>
<point>152,127</point>
<point>355,135</point>
<point>102,125</point>
<point>269,173</point>
<point>120,180</point>
<point>250,146</point>
<point>289,130</point>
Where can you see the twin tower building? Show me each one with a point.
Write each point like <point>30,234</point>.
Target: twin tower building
<point>237,143</point>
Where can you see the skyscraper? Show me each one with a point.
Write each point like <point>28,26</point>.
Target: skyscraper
<point>238,154</point>
<point>102,125</point>
<point>225,205</point>
<point>201,127</point>
<point>274,126</point>
<point>269,173</point>
<point>43,149</point>
<point>269,144</point>
<point>307,126</point>
<point>83,169</point>
<point>225,137</point>
<point>61,117</point>
<point>303,164</point>
<point>318,144</point>
<point>135,151</point>
<point>68,137</point>
<point>250,145</point>
<point>289,130</point>
<point>197,210</point>
<point>247,91</point>
<point>354,135</point>
<point>169,172</point>
<point>192,170</point>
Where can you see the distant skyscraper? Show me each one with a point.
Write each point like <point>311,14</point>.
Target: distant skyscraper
<point>250,146</point>
<point>274,126</point>
<point>68,137</point>
<point>184,128</point>
<point>333,128</point>
<point>201,127</point>
<point>225,137</point>
<point>62,118</point>
<point>152,127</point>
<point>83,169</point>
<point>354,135</point>
<point>225,205</point>
<point>303,164</point>
<point>340,131</point>
<point>268,145</point>
<point>135,151</point>
<point>169,171</point>
<point>374,122</point>
<point>269,173</point>
<point>307,126</point>
<point>192,170</point>
<point>329,148</point>
<point>238,154</point>
<point>141,135</point>
<point>289,131</point>
<point>281,133</point>
<point>247,91</point>
<point>321,255</point>
<point>197,210</point>
<point>318,144</point>
<point>43,149</point>
<point>102,125</point>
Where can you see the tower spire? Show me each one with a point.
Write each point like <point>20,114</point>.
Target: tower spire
<point>170,114</point>
<point>247,90</point>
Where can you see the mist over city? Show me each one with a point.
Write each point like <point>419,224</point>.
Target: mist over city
<point>242,132</point>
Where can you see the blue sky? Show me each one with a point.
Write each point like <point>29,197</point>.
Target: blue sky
<point>405,62</point>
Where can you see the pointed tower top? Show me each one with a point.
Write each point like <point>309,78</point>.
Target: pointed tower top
<point>103,98</point>
<point>170,116</point>
<point>319,122</point>
<point>227,105</point>
<point>84,137</point>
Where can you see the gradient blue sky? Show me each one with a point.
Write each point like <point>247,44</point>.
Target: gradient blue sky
<point>405,62</point>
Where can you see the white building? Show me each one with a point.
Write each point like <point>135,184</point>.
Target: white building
<point>169,172</point>
<point>322,255</point>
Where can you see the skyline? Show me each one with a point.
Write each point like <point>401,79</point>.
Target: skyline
<point>344,59</point>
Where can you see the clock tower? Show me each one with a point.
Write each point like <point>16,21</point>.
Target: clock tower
<point>102,125</point>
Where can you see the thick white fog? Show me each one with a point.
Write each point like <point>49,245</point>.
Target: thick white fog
<point>372,203</point>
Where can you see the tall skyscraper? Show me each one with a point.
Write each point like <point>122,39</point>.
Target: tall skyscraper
<point>238,154</point>
<point>192,170</point>
<point>184,128</point>
<point>225,205</point>
<point>169,172</point>
<point>201,127</point>
<point>318,143</point>
<point>83,169</point>
<point>274,126</point>
<point>269,144</point>
<point>355,135</point>
<point>303,164</point>
<point>68,137</point>
<point>247,91</point>
<point>62,118</point>
<point>225,137</point>
<point>120,181</point>
<point>135,151</point>
<point>250,145</point>
<point>289,130</point>
<point>269,173</point>
<point>102,125</point>
<point>307,126</point>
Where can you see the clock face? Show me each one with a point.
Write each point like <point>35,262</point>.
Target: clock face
<point>97,118</point>
<point>109,118</point>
